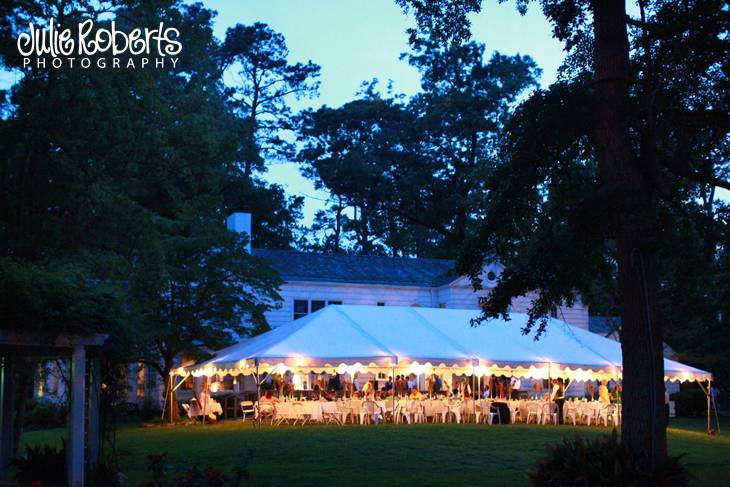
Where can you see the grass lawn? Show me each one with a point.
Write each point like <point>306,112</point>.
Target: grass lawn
<point>430,454</point>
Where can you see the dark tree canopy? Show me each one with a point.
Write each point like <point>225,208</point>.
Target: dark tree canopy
<point>115,188</point>
<point>265,82</point>
<point>412,170</point>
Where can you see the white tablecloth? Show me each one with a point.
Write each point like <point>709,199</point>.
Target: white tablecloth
<point>209,406</point>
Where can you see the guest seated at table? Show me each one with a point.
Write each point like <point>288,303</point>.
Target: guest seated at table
<point>207,406</point>
<point>368,390</point>
<point>269,398</point>
<point>356,395</point>
<point>415,393</point>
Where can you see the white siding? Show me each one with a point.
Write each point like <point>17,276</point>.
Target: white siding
<point>348,294</point>
<point>458,295</point>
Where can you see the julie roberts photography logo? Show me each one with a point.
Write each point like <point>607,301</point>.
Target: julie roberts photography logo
<point>87,45</point>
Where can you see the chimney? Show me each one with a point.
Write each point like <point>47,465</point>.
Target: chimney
<point>240,223</point>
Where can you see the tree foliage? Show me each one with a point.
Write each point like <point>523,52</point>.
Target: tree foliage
<point>412,170</point>
<point>265,82</point>
<point>115,188</point>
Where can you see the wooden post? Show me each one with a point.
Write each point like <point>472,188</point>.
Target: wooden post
<point>75,444</point>
<point>94,403</point>
<point>7,399</point>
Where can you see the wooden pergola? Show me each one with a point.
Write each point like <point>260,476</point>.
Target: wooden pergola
<point>82,431</point>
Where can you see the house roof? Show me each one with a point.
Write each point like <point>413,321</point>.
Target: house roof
<point>359,269</point>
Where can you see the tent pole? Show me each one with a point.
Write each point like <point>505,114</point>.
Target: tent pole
<point>258,395</point>
<point>717,420</point>
<point>164,407</point>
<point>170,394</point>
<point>392,390</point>
<point>472,399</point>
<point>709,396</point>
<point>550,388</point>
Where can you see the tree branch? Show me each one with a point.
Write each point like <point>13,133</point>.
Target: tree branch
<point>683,169</point>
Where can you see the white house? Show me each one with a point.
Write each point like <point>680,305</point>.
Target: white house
<point>314,280</point>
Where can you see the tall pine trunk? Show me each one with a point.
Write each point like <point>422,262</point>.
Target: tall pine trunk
<point>625,176</point>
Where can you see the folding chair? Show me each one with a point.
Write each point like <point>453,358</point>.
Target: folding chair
<point>247,408</point>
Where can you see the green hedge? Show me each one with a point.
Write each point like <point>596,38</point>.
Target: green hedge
<point>44,414</point>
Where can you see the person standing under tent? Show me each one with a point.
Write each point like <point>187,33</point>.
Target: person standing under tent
<point>514,385</point>
<point>558,397</point>
<point>591,390</point>
<point>603,394</point>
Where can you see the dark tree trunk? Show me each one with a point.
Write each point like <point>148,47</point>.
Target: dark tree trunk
<point>630,181</point>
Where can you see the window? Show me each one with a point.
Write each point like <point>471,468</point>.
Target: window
<point>301,308</point>
<point>317,305</point>
<point>380,303</point>
<point>334,302</point>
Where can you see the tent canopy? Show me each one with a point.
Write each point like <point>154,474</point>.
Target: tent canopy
<point>350,338</point>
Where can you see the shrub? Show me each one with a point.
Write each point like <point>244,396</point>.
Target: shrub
<point>195,476</point>
<point>690,402</point>
<point>604,461</point>
<point>45,462</point>
<point>106,473</point>
<point>44,414</point>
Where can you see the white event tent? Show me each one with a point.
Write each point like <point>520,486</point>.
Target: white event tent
<point>348,338</point>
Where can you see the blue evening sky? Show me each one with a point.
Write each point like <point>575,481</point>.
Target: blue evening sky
<point>357,40</point>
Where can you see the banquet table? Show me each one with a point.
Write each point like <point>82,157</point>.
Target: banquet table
<point>286,410</point>
<point>209,406</point>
